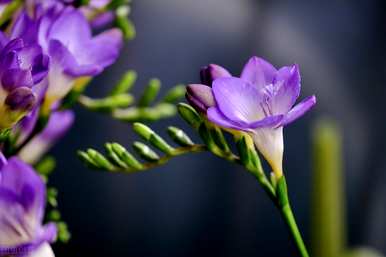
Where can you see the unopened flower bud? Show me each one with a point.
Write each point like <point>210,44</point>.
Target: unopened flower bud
<point>21,99</point>
<point>212,72</point>
<point>200,97</point>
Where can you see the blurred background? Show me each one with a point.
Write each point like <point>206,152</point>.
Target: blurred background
<point>199,205</point>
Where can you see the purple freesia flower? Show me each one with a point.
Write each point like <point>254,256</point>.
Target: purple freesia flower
<point>65,35</point>
<point>58,125</point>
<point>22,204</point>
<point>22,70</point>
<point>260,102</point>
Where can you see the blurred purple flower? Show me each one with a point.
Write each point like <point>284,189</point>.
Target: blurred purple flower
<point>260,102</point>
<point>22,70</point>
<point>65,35</point>
<point>58,125</point>
<point>22,205</point>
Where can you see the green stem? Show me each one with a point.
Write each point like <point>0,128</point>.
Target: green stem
<point>289,219</point>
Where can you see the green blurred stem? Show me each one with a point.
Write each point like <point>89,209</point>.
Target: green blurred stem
<point>161,161</point>
<point>328,228</point>
<point>289,219</point>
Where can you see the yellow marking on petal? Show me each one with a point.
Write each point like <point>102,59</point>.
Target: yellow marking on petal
<point>47,104</point>
<point>8,117</point>
<point>277,171</point>
<point>81,83</point>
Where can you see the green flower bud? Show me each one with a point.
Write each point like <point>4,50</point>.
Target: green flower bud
<point>126,157</point>
<point>145,152</point>
<point>150,93</point>
<point>100,160</point>
<point>149,135</point>
<point>175,94</point>
<point>179,136</point>
<point>107,103</point>
<point>190,115</point>
<point>125,84</point>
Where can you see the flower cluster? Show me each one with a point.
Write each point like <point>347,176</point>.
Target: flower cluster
<point>260,102</point>
<point>46,48</point>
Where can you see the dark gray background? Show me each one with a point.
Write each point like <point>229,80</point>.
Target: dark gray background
<point>200,205</point>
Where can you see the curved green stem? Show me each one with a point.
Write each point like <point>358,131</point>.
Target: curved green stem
<point>289,219</point>
<point>280,198</point>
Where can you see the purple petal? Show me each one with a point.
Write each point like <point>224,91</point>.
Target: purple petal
<point>17,244</point>
<point>287,86</point>
<point>25,127</point>
<point>12,231</point>
<point>3,39</point>
<point>33,59</point>
<point>102,20</point>
<point>63,59</point>
<point>13,45</point>
<point>14,78</point>
<point>299,110</point>
<point>21,179</point>
<point>48,18</point>
<point>3,161</point>
<point>48,232</point>
<point>270,121</point>
<point>58,125</point>
<point>212,72</point>
<point>22,203</point>
<point>102,51</point>
<point>214,115</point>
<point>91,55</point>
<point>44,250</point>
<point>22,65</point>
<point>238,100</point>
<point>40,68</point>
<point>258,72</point>
<point>70,28</point>
<point>25,28</point>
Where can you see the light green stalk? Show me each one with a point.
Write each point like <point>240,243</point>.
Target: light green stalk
<point>328,237</point>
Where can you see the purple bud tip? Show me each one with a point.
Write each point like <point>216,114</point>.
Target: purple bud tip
<point>21,98</point>
<point>212,72</point>
<point>200,97</point>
